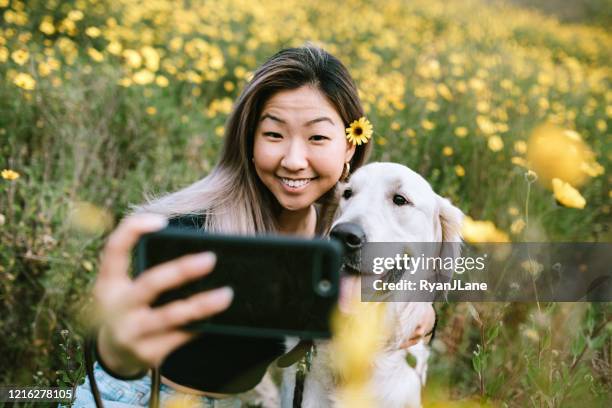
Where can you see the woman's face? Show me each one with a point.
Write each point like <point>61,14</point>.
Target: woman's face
<point>300,146</point>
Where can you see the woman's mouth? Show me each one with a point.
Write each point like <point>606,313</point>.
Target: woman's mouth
<point>295,185</point>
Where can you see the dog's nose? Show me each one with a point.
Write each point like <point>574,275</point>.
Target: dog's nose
<point>350,235</point>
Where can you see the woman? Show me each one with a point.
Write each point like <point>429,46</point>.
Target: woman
<point>285,150</point>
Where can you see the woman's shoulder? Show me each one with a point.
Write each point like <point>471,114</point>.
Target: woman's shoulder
<point>187,221</point>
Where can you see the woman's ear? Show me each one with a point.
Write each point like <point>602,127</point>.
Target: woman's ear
<point>350,151</point>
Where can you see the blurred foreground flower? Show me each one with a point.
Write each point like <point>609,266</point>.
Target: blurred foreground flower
<point>89,218</point>
<point>357,338</point>
<point>482,231</point>
<point>567,195</point>
<point>8,174</point>
<point>553,152</point>
<point>183,401</point>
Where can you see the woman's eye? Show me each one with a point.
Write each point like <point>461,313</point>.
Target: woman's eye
<point>346,194</point>
<point>273,134</point>
<point>318,138</point>
<point>400,200</point>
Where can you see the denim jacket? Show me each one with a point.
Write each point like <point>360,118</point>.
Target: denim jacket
<point>116,393</point>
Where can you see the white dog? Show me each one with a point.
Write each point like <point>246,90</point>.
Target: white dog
<point>384,202</point>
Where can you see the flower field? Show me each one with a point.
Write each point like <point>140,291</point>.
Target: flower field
<point>505,111</point>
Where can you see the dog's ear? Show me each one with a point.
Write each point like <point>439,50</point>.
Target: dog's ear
<point>450,220</point>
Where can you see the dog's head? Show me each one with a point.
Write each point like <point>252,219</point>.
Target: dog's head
<point>388,202</point>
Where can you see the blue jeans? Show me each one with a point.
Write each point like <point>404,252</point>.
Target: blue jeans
<point>127,394</point>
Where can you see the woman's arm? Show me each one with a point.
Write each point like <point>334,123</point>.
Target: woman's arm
<point>134,335</point>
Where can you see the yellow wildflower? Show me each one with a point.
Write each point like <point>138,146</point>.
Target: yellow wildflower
<point>447,151</point>
<point>151,57</point>
<point>520,146</point>
<point>445,92</point>
<point>459,170</point>
<point>482,231</point>
<point>114,47</point>
<point>46,26</point>
<point>93,32</point>
<point>44,69</point>
<point>20,56</point>
<point>132,58</point>
<point>24,81</point>
<point>483,106</point>
<point>161,81</point>
<point>517,226</point>
<point>125,82</point>
<point>143,77</point>
<point>495,143</point>
<point>461,131</point>
<point>485,125</point>
<point>95,54</point>
<point>601,125</point>
<point>8,174</point>
<point>567,195</point>
<point>432,106</point>
<point>75,15</point>
<point>513,211</point>
<point>428,125</point>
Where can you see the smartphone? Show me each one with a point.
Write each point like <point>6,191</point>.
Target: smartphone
<point>283,286</point>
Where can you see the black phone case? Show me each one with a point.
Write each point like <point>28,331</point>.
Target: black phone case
<point>283,286</point>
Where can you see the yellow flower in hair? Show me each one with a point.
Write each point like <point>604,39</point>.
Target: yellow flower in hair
<point>360,131</point>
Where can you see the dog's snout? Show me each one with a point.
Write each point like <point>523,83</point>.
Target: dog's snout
<point>349,234</point>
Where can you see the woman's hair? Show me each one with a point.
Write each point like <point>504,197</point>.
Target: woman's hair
<point>232,197</point>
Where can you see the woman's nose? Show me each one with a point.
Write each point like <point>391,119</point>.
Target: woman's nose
<point>295,157</point>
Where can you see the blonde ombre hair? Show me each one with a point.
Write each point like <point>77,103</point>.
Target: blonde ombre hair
<point>232,197</point>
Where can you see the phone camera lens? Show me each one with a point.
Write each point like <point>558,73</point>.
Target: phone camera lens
<point>324,286</point>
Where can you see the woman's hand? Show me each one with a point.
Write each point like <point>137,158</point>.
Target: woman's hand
<point>423,329</point>
<point>133,335</point>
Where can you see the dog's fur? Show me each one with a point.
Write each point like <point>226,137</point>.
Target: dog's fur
<point>428,218</point>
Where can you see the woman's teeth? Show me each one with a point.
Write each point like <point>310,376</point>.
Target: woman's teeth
<point>295,183</point>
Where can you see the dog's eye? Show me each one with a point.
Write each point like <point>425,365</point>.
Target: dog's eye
<point>400,200</point>
<point>347,193</point>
